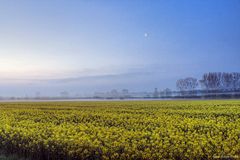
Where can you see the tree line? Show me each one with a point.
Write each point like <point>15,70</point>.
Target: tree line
<point>213,81</point>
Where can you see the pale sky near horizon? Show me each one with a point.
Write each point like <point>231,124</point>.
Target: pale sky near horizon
<point>90,45</point>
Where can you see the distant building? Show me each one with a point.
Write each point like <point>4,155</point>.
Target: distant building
<point>114,93</point>
<point>37,94</point>
<point>167,92</point>
<point>125,93</point>
<point>155,93</point>
<point>64,94</point>
<point>99,95</point>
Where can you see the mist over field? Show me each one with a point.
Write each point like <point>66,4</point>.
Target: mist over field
<point>143,79</point>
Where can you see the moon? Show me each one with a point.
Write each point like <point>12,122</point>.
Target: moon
<point>146,35</point>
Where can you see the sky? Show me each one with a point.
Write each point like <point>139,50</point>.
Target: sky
<point>83,46</point>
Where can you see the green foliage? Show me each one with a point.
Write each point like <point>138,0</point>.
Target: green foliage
<point>121,130</point>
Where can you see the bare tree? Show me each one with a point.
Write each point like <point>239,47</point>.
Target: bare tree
<point>220,81</point>
<point>180,85</point>
<point>191,83</point>
<point>212,81</point>
<point>187,84</point>
<point>236,81</point>
<point>226,81</point>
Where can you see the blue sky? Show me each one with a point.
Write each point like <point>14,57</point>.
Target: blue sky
<point>88,45</point>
